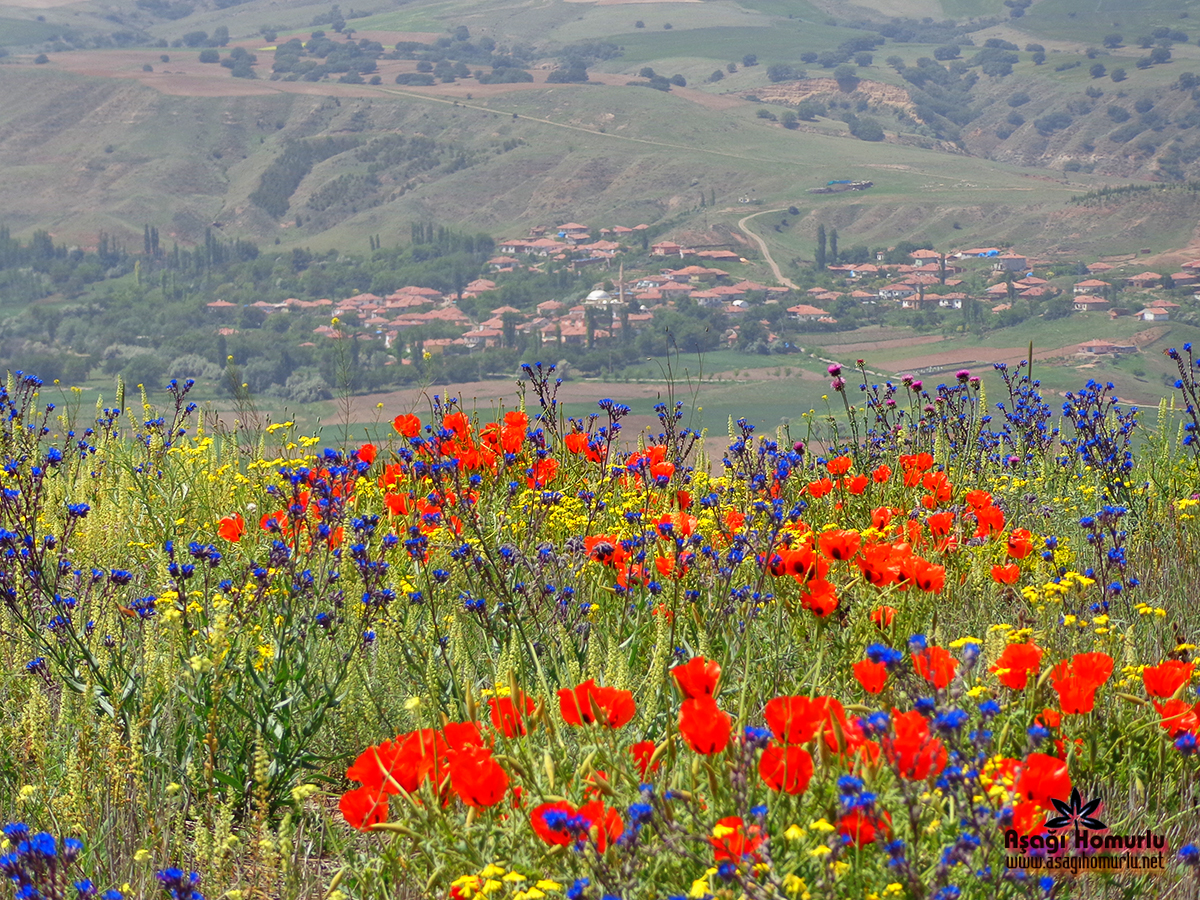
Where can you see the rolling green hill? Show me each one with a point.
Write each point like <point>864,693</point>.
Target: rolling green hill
<point>981,143</point>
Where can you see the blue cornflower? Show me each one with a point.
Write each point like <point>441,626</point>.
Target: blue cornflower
<point>882,653</point>
<point>640,813</point>
<point>950,720</point>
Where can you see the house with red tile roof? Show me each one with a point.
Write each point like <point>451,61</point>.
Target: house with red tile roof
<point>802,312</point>
<point>1088,303</point>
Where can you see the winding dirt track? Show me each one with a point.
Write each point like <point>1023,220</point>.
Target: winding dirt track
<point>762,245</point>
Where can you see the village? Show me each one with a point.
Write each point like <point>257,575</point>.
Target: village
<point>641,278</point>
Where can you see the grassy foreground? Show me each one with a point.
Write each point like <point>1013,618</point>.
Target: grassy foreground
<point>946,653</point>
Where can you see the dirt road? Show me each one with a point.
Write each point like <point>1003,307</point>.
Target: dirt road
<point>762,245</point>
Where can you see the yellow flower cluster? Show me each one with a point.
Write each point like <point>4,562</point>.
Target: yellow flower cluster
<point>495,879</point>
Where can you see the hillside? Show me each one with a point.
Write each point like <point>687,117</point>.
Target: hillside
<point>987,110</point>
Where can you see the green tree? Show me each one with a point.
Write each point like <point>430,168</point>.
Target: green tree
<point>820,257</point>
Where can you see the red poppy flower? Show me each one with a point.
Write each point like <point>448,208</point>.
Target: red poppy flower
<point>819,488</point>
<point>562,824</point>
<point>705,727</point>
<point>819,597</point>
<point>513,433</point>
<point>881,474</point>
<point>940,524</point>
<point>231,528</point>
<point>1020,543</point>
<point>1016,663</point>
<point>1177,717</point>
<point>927,576</point>
<point>856,485</point>
<point>787,769</point>
<point>606,823</point>
<point>871,675</point>
<point>589,703</point>
<point>978,500</point>
<point>1060,747</point>
<point>915,753</point>
<point>643,752</point>
<point>881,517</point>
<point>476,777</point>
<point>542,472</point>
<point>879,564</point>
<point>795,720</point>
<point>554,831</point>
<point>459,424</point>
<point>732,841</point>
<point>367,453</point>
<point>509,714</point>
<point>839,544</point>
<point>274,522</point>
<point>935,665</point>
<point>462,734</point>
<point>803,563</point>
<point>670,567</point>
<point>408,425</point>
<point>1166,678</point>
<point>697,677</point>
<point>400,764</point>
<point>397,504</point>
<point>1076,681</point>
<point>939,487</point>
<point>1042,779</point>
<point>604,549</point>
<point>860,828</point>
<point>916,462</point>
<point>1006,574</point>
<point>883,616</point>
<point>839,466</point>
<point>989,521</point>
<point>846,738</point>
<point>1028,819</point>
<point>363,807</point>
<point>1049,718</point>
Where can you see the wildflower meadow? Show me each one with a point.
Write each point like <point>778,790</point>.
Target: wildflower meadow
<point>938,645</point>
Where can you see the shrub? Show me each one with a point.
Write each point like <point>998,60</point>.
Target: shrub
<point>780,72</point>
<point>209,56</point>
<point>867,129</point>
<point>415,79</point>
<point>1048,124</point>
